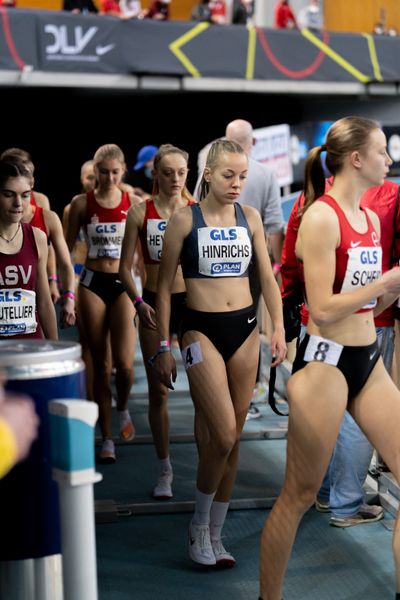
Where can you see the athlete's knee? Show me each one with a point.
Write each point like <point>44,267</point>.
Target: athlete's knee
<point>302,498</point>
<point>225,442</point>
<point>124,371</point>
<point>158,398</point>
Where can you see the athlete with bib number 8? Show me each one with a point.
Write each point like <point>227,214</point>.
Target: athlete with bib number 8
<point>338,364</point>
<point>215,241</point>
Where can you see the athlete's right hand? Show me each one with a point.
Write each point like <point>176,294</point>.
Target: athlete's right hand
<point>165,367</point>
<point>147,315</point>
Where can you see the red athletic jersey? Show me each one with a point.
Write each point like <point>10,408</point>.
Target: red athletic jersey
<point>382,200</point>
<point>152,233</point>
<point>18,275</point>
<point>358,256</point>
<point>105,227</point>
<point>38,219</point>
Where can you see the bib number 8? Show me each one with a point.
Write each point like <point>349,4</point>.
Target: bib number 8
<point>321,352</point>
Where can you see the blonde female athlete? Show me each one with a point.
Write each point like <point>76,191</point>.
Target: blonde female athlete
<point>105,311</point>
<point>338,365</point>
<point>215,241</point>
<point>147,222</point>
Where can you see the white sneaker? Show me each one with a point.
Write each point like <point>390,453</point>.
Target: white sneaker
<point>223,557</point>
<point>163,488</point>
<point>260,393</point>
<point>200,549</point>
<point>107,452</point>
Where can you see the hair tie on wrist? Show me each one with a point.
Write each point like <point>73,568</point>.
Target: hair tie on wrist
<point>138,300</point>
<point>69,294</point>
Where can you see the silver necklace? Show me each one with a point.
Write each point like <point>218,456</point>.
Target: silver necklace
<point>13,237</point>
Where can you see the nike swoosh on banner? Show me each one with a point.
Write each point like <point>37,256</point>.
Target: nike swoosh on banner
<point>100,50</point>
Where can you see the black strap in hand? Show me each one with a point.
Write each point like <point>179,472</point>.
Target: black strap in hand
<point>271,393</point>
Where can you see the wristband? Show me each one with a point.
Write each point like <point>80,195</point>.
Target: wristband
<point>52,278</point>
<point>69,294</point>
<point>164,344</point>
<point>163,349</point>
<point>138,300</point>
<point>276,267</point>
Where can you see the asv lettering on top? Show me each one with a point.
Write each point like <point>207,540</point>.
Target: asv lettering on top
<point>69,43</point>
<point>15,275</point>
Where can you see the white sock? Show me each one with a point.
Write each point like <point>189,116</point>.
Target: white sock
<point>202,508</point>
<point>124,417</point>
<point>217,518</point>
<point>165,465</point>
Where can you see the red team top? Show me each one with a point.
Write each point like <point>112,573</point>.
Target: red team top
<point>105,227</point>
<point>380,199</point>
<point>38,218</point>
<point>151,234</point>
<point>18,274</point>
<point>358,256</point>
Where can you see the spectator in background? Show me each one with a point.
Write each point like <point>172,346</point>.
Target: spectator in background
<point>284,16</point>
<point>242,12</point>
<point>110,8</point>
<point>79,6</point>
<point>131,9</point>
<point>18,428</point>
<point>218,12</point>
<point>158,10</point>
<point>142,179</point>
<point>311,16</point>
<point>201,11</point>
<point>122,9</point>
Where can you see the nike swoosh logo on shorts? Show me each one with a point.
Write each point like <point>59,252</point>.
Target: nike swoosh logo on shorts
<point>371,356</point>
<point>354,244</point>
<point>251,320</point>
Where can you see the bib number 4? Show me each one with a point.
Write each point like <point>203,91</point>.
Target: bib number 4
<point>191,355</point>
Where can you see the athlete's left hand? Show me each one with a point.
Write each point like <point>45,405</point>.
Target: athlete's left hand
<point>165,366</point>
<point>67,315</point>
<point>278,347</point>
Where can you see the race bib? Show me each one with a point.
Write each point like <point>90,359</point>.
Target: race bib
<point>364,265</point>
<point>322,350</point>
<point>155,237</point>
<point>17,311</point>
<point>191,355</point>
<point>224,251</point>
<point>105,239</point>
